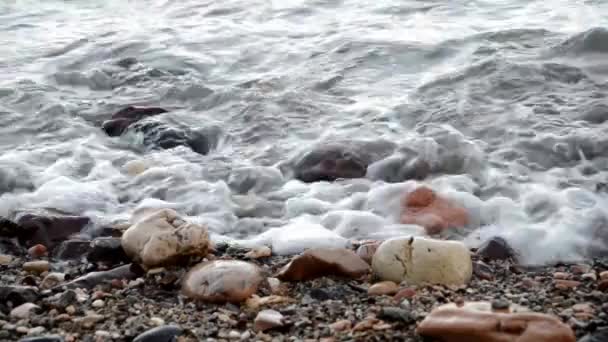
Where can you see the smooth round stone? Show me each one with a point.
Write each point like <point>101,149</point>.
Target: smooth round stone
<point>222,281</point>
<point>38,267</point>
<point>383,288</point>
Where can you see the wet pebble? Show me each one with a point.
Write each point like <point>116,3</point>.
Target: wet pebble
<point>160,334</point>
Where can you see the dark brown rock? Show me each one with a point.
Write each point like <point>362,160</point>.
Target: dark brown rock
<point>49,228</point>
<point>321,262</point>
<point>496,248</point>
<point>122,119</point>
<point>330,162</point>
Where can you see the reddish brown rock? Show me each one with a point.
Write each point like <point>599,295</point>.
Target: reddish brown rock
<point>603,285</point>
<point>37,251</point>
<point>366,251</point>
<point>451,324</point>
<point>426,208</point>
<point>406,293</point>
<point>562,284</point>
<point>320,262</point>
<point>383,288</point>
<point>341,325</point>
<point>222,281</point>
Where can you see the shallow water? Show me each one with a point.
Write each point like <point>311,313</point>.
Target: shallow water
<point>505,99</point>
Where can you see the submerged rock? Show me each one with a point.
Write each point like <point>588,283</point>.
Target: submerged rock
<point>156,133</point>
<point>399,168</point>
<point>321,262</point>
<point>421,260</point>
<point>162,237</point>
<point>454,323</point>
<point>222,281</point>
<point>329,163</point>
<point>426,208</point>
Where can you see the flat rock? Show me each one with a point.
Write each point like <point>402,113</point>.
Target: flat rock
<point>165,333</point>
<point>222,281</point>
<point>426,208</point>
<point>321,262</point>
<point>421,260</point>
<point>268,319</point>
<point>49,227</point>
<point>451,323</point>
<point>89,281</point>
<point>24,310</point>
<point>161,238</point>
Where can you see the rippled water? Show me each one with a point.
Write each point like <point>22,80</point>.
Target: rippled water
<point>506,100</point>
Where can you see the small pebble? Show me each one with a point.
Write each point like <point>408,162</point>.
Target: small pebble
<point>98,303</point>
<point>51,280</point>
<point>157,321</point>
<point>383,288</point>
<point>22,330</point>
<point>70,310</point>
<point>37,251</point>
<point>103,333</point>
<point>604,275</point>
<point>24,310</point>
<point>234,335</point>
<point>561,275</point>
<point>36,331</point>
<point>5,259</point>
<point>589,276</point>
<point>37,267</point>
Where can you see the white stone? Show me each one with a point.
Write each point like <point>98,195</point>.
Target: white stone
<point>157,321</point>
<point>24,310</point>
<point>422,260</point>
<point>51,280</point>
<point>36,331</point>
<point>159,237</point>
<point>98,303</point>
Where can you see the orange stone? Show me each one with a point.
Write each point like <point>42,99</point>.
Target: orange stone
<point>426,208</point>
<point>462,325</point>
<point>320,262</point>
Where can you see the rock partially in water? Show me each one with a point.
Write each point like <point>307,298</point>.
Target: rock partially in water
<point>107,250</point>
<point>49,227</point>
<point>156,134</point>
<point>165,333</point>
<point>339,160</point>
<point>72,249</point>
<point>268,319</point>
<point>89,281</point>
<point>454,323</point>
<point>122,119</point>
<point>222,281</point>
<point>428,209</point>
<point>162,237</point>
<point>496,248</point>
<point>399,168</point>
<point>321,262</point>
<point>421,260</point>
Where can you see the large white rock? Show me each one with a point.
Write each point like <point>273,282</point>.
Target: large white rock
<point>420,260</point>
<point>161,237</point>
